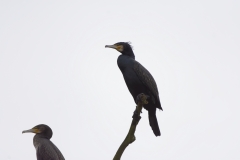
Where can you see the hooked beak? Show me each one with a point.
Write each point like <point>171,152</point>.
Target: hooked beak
<point>111,46</point>
<point>31,131</point>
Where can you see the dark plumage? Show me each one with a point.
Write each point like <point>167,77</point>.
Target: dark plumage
<point>138,80</point>
<point>45,149</point>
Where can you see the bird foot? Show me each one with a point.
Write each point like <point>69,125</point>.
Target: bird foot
<point>142,98</point>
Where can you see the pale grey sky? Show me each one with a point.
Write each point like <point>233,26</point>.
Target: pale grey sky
<point>55,70</point>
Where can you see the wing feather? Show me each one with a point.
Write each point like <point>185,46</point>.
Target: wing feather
<point>147,79</point>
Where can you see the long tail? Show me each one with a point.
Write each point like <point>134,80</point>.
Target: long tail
<point>153,121</point>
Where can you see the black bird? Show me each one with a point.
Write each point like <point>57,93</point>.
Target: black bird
<point>45,149</point>
<point>138,80</point>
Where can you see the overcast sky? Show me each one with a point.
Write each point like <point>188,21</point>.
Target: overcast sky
<point>55,70</point>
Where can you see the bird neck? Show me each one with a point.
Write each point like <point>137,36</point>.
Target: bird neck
<point>129,53</point>
<point>38,139</point>
<point>40,135</point>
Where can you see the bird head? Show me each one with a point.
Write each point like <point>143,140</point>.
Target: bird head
<point>40,129</point>
<point>123,47</point>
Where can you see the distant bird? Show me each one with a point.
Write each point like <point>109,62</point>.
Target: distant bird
<point>138,80</point>
<point>45,149</point>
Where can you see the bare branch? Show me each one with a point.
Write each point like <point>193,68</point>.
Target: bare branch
<point>141,99</point>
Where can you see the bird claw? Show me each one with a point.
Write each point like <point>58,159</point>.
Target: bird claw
<point>142,98</point>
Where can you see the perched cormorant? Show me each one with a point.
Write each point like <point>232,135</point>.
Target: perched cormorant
<point>45,149</point>
<point>138,80</point>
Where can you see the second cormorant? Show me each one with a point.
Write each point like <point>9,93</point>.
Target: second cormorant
<point>45,149</point>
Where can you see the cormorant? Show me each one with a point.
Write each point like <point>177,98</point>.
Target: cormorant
<point>45,149</point>
<point>138,80</point>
